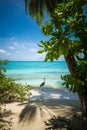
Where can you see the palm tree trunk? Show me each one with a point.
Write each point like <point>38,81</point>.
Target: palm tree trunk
<point>70,60</point>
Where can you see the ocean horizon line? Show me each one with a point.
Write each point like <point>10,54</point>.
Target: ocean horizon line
<point>34,61</point>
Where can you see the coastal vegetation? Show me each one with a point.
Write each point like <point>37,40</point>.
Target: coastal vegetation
<point>67,31</point>
<point>10,91</point>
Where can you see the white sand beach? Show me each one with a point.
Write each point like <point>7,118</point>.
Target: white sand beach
<point>53,93</point>
<point>42,106</point>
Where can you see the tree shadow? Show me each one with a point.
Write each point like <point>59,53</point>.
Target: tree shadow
<point>41,109</point>
<point>28,113</point>
<point>38,109</point>
<point>54,93</point>
<point>64,123</point>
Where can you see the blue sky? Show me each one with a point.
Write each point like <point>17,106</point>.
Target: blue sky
<point>19,33</point>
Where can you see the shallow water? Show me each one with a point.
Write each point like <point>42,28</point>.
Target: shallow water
<point>33,72</point>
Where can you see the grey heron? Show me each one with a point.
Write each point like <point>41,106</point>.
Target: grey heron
<point>43,83</point>
<point>41,86</point>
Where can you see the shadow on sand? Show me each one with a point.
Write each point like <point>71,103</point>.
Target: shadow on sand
<point>64,123</point>
<point>53,93</point>
<point>38,110</point>
<point>52,112</point>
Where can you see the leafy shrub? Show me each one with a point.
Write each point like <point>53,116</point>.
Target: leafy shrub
<point>9,89</point>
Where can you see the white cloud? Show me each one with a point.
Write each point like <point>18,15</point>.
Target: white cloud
<point>61,58</point>
<point>16,44</point>
<point>8,53</point>
<point>33,49</point>
<point>11,47</point>
<point>40,56</point>
<point>2,51</point>
<point>36,56</point>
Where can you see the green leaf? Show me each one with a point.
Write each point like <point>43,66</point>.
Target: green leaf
<point>41,51</point>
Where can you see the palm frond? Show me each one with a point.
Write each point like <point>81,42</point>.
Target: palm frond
<point>37,8</point>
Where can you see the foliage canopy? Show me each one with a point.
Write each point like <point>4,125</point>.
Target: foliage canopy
<point>68,31</point>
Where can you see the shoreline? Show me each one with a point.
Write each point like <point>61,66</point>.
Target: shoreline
<point>53,93</point>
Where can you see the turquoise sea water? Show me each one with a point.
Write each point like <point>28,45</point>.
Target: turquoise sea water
<point>33,72</point>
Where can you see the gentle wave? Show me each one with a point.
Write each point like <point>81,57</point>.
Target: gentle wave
<point>25,72</point>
